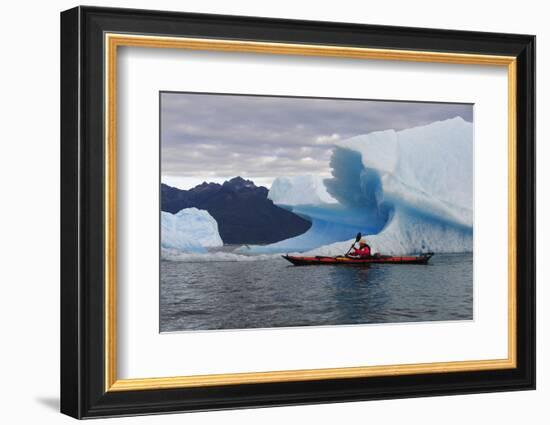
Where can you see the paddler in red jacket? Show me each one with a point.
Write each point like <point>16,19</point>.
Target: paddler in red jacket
<point>362,251</point>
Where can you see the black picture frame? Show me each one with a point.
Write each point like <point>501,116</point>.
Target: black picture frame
<point>83,392</point>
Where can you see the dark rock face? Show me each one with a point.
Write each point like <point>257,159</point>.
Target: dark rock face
<point>242,210</point>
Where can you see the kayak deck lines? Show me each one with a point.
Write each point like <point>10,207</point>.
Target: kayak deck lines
<point>350,261</point>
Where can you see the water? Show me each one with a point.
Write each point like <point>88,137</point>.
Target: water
<point>273,293</point>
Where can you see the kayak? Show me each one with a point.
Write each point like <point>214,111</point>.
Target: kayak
<point>350,261</point>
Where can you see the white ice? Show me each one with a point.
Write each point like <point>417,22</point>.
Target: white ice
<point>212,257</point>
<point>189,230</point>
<point>299,190</point>
<point>428,168</point>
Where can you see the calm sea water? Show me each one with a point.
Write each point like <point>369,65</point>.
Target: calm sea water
<point>273,293</point>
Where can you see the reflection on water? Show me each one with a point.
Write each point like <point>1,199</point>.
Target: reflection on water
<point>273,293</point>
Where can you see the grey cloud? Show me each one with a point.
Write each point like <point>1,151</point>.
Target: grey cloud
<point>269,136</point>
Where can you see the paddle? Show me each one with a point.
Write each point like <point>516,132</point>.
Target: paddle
<point>357,239</point>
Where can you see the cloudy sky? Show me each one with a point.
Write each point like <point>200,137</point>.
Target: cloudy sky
<point>210,137</point>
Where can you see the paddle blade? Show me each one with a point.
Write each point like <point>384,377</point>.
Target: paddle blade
<point>358,237</point>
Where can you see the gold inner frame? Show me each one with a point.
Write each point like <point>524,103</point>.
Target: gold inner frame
<point>113,41</point>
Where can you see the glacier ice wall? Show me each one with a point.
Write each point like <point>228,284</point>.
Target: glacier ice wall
<point>189,230</point>
<point>409,191</point>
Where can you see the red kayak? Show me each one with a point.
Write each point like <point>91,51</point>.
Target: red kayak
<point>350,261</point>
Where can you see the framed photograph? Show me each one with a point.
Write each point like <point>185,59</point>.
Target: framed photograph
<point>261,212</point>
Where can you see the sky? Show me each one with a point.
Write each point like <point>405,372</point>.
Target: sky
<point>214,137</point>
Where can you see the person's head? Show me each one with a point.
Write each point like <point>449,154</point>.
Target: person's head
<point>362,243</point>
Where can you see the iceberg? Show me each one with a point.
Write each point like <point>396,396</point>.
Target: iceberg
<point>189,230</point>
<point>409,191</point>
<point>428,169</point>
<point>299,190</point>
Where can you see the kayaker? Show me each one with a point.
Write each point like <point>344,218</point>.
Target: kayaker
<point>362,251</point>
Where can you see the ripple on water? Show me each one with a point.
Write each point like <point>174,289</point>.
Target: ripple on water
<point>239,295</point>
